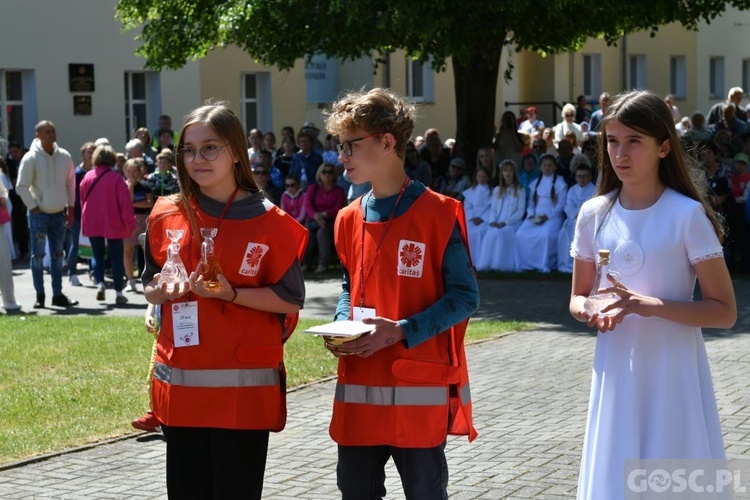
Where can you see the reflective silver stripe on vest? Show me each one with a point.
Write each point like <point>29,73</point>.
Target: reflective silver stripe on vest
<point>390,396</point>
<point>465,395</point>
<point>216,378</point>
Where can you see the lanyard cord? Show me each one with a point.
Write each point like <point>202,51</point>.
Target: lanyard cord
<point>362,275</point>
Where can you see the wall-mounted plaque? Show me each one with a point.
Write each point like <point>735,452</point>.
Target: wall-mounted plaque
<point>81,77</point>
<point>82,105</point>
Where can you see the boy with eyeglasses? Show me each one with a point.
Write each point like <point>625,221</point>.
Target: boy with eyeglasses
<point>402,387</point>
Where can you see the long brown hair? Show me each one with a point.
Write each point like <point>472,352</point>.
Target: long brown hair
<point>647,113</point>
<point>504,186</point>
<point>228,127</point>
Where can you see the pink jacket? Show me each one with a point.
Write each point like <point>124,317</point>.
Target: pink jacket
<point>294,205</point>
<point>107,210</point>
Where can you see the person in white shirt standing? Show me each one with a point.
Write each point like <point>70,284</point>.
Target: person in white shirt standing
<point>46,184</point>
<point>531,123</point>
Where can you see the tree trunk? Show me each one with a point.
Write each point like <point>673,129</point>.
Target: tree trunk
<point>475,83</point>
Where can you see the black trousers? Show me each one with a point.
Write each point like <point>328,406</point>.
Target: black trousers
<point>215,464</point>
<point>360,474</point>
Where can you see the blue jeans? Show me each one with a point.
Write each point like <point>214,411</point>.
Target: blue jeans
<point>361,472</point>
<point>115,259</point>
<point>75,234</point>
<point>47,227</point>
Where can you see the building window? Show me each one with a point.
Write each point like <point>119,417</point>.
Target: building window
<point>17,107</point>
<point>142,101</point>
<point>256,101</point>
<point>637,67</point>
<point>716,77</point>
<point>420,81</point>
<point>592,75</point>
<point>678,77</point>
<point>746,76</point>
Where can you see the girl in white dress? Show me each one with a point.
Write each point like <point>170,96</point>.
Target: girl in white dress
<point>651,395</point>
<point>506,213</point>
<point>477,201</point>
<point>536,239</point>
<point>578,193</point>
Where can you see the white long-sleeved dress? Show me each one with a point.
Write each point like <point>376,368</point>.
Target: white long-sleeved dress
<point>477,201</point>
<point>577,195</point>
<point>536,243</point>
<point>498,246</point>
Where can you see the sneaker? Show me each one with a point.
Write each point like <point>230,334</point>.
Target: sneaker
<point>63,301</point>
<point>39,304</point>
<point>131,285</point>
<point>100,292</point>
<point>147,422</point>
<point>121,300</point>
<point>74,281</point>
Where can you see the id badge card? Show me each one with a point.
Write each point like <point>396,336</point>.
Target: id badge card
<point>185,324</point>
<point>359,313</point>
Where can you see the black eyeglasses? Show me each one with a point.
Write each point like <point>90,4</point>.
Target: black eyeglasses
<point>290,185</point>
<point>346,146</point>
<point>260,172</point>
<point>327,172</point>
<point>209,152</point>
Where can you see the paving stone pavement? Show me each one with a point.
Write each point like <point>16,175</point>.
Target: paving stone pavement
<point>530,392</point>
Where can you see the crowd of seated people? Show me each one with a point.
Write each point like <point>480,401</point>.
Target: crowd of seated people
<point>521,194</point>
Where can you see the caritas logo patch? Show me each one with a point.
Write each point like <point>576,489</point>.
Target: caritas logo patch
<point>251,261</point>
<point>410,258</point>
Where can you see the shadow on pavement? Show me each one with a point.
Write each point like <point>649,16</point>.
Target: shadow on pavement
<point>543,299</point>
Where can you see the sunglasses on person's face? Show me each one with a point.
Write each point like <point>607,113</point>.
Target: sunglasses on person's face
<point>327,172</point>
<point>260,172</point>
<point>290,185</point>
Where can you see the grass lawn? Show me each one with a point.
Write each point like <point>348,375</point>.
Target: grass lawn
<point>69,381</point>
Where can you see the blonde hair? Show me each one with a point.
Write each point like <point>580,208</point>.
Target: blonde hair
<point>379,110</point>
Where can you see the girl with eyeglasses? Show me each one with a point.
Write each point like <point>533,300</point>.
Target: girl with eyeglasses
<point>218,387</point>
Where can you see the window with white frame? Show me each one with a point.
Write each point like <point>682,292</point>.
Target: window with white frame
<point>420,81</point>
<point>637,72</point>
<point>678,77</point>
<point>142,100</point>
<point>746,76</point>
<point>716,77</point>
<point>256,101</point>
<point>17,107</point>
<point>592,75</point>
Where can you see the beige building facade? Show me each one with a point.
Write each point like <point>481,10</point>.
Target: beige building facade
<point>70,62</point>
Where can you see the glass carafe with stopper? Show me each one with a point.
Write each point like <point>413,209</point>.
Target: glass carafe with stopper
<point>209,267</point>
<point>173,272</point>
<point>596,301</point>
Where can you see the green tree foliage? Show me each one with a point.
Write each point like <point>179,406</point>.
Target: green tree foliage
<point>472,33</point>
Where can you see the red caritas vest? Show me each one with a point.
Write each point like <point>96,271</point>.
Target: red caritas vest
<point>235,377</point>
<point>410,398</point>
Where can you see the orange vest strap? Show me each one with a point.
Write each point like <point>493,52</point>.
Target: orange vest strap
<point>391,396</point>
<point>248,377</point>
<point>410,370</point>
